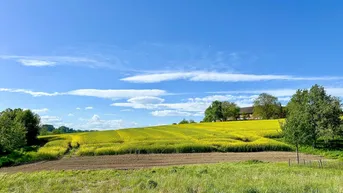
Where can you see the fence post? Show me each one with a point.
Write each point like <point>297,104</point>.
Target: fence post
<point>289,162</point>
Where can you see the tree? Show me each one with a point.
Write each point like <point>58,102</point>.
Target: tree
<point>191,121</point>
<point>312,115</point>
<point>208,115</point>
<point>12,133</point>
<point>31,122</point>
<point>297,128</point>
<point>214,112</point>
<point>49,128</point>
<point>267,106</point>
<point>325,113</point>
<point>229,110</point>
<point>184,121</point>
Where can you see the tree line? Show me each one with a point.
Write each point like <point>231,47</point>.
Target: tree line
<point>47,129</point>
<point>265,106</point>
<point>312,115</point>
<point>20,128</point>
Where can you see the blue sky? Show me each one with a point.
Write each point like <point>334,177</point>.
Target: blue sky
<point>115,64</point>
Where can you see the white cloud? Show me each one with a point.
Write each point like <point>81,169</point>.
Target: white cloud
<point>37,63</point>
<point>191,107</point>
<point>168,113</point>
<point>117,94</point>
<point>110,114</point>
<point>70,115</point>
<point>201,76</point>
<point>338,92</point>
<point>107,94</point>
<point>44,110</point>
<point>96,123</point>
<point>126,110</point>
<point>24,91</point>
<point>40,61</point>
<point>88,108</point>
<point>47,119</point>
<point>146,100</point>
<point>78,108</point>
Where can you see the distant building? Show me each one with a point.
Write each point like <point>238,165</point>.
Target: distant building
<point>246,113</point>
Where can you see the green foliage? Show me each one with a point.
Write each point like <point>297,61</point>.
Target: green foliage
<point>50,129</point>
<point>29,120</point>
<point>221,111</point>
<point>229,110</point>
<point>183,121</point>
<point>31,123</point>
<point>12,132</point>
<point>267,107</point>
<point>315,114</point>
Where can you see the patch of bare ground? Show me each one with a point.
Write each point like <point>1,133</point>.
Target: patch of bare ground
<point>135,161</point>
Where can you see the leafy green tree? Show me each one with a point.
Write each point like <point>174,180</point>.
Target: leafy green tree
<point>43,131</point>
<point>229,110</point>
<point>297,128</point>
<point>191,121</point>
<point>267,106</point>
<point>217,110</point>
<point>12,132</point>
<point>214,112</point>
<point>312,115</point>
<point>325,113</point>
<point>49,128</point>
<point>31,122</point>
<point>208,115</point>
<point>184,121</point>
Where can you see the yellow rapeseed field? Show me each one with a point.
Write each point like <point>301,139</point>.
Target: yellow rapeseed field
<point>234,136</point>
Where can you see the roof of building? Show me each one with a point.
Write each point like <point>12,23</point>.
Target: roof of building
<point>247,110</point>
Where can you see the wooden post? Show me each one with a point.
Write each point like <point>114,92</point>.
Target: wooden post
<point>297,151</point>
<point>289,162</point>
<point>321,164</point>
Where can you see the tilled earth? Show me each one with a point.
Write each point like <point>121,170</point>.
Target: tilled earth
<point>134,161</point>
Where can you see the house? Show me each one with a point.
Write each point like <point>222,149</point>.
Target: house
<point>246,113</point>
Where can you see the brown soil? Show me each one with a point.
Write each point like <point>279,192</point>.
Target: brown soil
<point>135,161</point>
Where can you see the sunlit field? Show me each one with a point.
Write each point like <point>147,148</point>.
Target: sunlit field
<point>237,136</point>
<point>246,177</point>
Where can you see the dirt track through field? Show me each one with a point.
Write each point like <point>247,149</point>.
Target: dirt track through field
<point>135,161</point>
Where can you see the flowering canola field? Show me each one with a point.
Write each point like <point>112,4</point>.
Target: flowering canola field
<point>234,136</point>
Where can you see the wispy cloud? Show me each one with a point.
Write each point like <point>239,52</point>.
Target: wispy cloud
<point>33,93</point>
<point>117,94</point>
<point>44,110</point>
<point>338,92</point>
<point>97,123</point>
<point>191,107</point>
<point>78,108</point>
<point>37,63</point>
<point>47,119</point>
<point>107,94</point>
<point>174,113</point>
<point>88,108</point>
<point>201,76</point>
<point>40,61</point>
<point>70,115</point>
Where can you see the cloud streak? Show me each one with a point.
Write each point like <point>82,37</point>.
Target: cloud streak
<point>99,93</point>
<point>41,61</point>
<point>203,76</point>
<point>338,92</point>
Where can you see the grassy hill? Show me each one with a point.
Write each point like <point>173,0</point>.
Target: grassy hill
<point>236,136</point>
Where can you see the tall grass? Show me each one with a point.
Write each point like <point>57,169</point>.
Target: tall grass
<point>245,177</point>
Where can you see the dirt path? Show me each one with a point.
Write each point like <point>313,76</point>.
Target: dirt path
<point>151,160</point>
